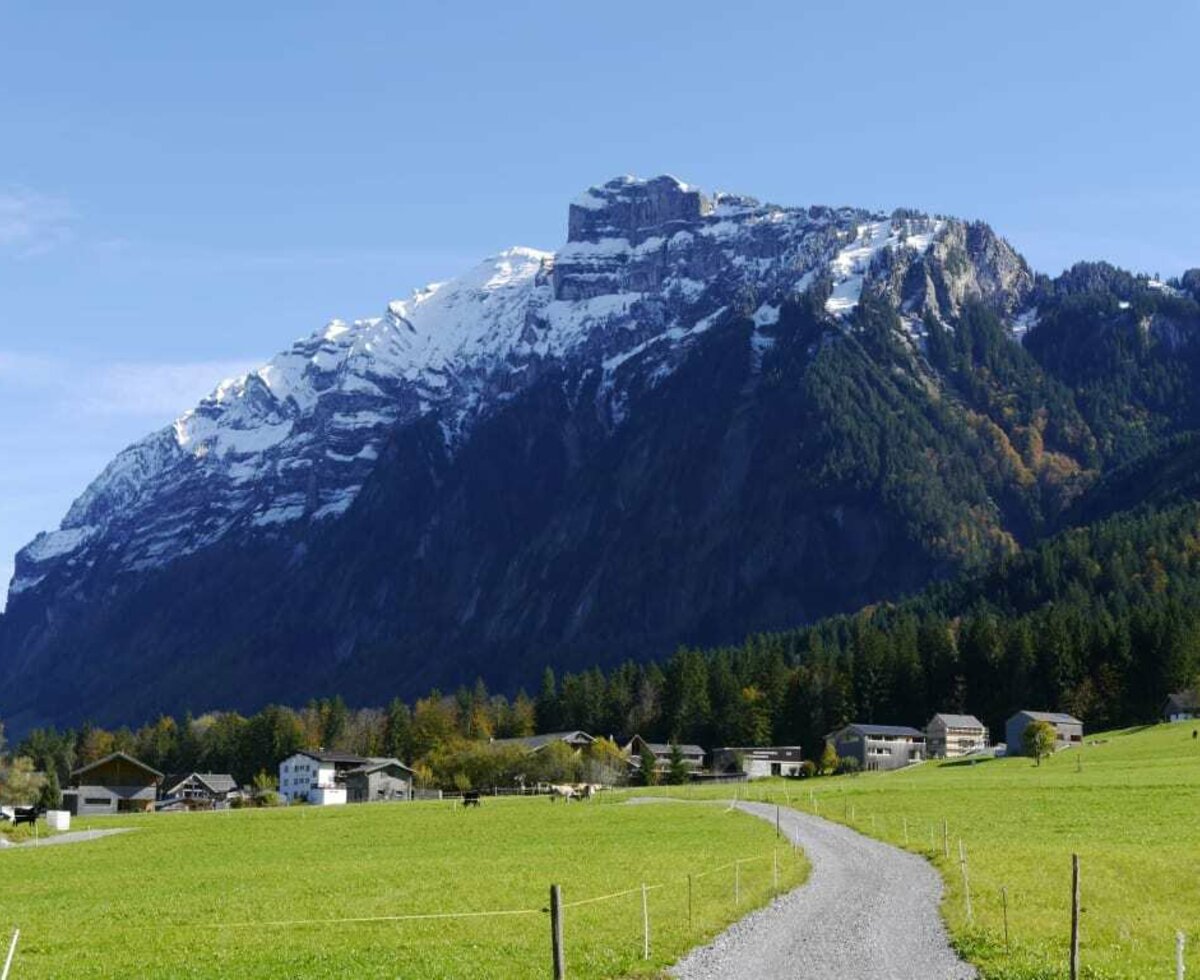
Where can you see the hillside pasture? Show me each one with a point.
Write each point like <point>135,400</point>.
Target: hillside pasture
<point>1128,803</point>
<point>259,893</point>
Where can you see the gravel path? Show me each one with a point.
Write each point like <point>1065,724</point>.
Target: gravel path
<point>869,911</point>
<point>72,837</point>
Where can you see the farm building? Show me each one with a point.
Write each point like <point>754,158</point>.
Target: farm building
<point>757,761</point>
<point>949,736</point>
<point>199,790</point>
<point>693,755</point>
<point>879,746</point>
<point>118,783</point>
<point>1182,706</point>
<point>379,779</point>
<point>529,744</point>
<point>1068,729</point>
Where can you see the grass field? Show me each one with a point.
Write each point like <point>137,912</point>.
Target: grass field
<point>195,894</point>
<point>1132,813</point>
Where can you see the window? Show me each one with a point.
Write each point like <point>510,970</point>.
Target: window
<point>97,801</point>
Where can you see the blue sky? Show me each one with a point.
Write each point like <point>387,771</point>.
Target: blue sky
<point>184,192</point>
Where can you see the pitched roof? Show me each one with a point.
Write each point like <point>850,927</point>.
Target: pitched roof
<point>1054,717</point>
<point>214,782</point>
<point>116,755</point>
<point>958,721</point>
<point>885,730</point>
<point>320,755</point>
<point>374,765</point>
<point>664,748</point>
<point>1183,701</point>
<point>531,743</point>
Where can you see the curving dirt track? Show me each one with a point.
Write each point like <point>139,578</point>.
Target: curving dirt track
<point>869,911</point>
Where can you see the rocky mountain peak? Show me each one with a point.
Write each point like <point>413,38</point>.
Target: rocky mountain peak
<point>635,210</point>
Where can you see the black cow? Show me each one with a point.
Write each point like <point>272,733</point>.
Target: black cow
<point>471,798</point>
<point>26,814</point>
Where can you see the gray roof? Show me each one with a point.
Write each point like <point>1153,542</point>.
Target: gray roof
<point>375,765</point>
<point>216,782</point>
<point>958,721</point>
<point>1054,717</point>
<point>531,743</point>
<point>1183,701</point>
<point>664,748</point>
<point>335,757</point>
<point>885,730</point>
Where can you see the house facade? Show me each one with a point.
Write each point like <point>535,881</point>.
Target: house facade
<point>314,776</point>
<point>950,736</point>
<point>1182,706</point>
<point>1068,729</point>
<point>379,780</point>
<point>118,783</point>
<point>879,746</point>
<point>199,790</point>
<point>757,761</point>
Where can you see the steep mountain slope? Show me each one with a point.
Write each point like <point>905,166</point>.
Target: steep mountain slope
<point>700,417</point>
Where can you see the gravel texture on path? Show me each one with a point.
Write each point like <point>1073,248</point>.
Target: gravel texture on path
<point>869,911</point>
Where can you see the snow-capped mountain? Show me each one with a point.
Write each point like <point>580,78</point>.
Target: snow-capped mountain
<point>701,416</point>
<point>649,265</point>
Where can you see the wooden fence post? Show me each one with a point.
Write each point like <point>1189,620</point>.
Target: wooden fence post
<point>690,903</point>
<point>12,951</point>
<point>778,832</point>
<point>1074,917</point>
<point>556,933</point>
<point>645,925</point>
<point>1004,903</point>
<point>1179,941</point>
<point>737,882</point>
<point>946,838</point>
<point>962,861</point>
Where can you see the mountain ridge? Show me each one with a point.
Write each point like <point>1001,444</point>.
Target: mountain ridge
<point>701,417</point>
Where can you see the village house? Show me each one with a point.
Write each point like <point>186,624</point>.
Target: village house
<point>378,780</point>
<point>314,776</point>
<point>693,755</point>
<point>1182,706</point>
<point>1068,730</point>
<point>879,746</point>
<point>118,783</point>
<point>951,736</point>
<point>757,761</point>
<point>198,790</point>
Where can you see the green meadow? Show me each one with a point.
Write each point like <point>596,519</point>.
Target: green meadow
<point>255,893</point>
<point>1128,803</point>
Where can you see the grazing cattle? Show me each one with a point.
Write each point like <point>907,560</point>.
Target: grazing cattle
<point>564,791</point>
<point>27,815</point>
<point>471,798</point>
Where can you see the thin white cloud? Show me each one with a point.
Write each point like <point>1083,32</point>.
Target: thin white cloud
<point>157,391</point>
<point>32,223</point>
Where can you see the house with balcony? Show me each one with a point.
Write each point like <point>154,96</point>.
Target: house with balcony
<point>950,736</point>
<point>879,746</point>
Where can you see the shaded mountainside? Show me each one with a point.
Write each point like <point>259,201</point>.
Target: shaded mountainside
<point>701,418</point>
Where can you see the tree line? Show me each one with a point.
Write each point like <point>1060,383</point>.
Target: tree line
<point>1101,621</point>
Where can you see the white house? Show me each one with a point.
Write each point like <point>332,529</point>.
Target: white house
<point>313,776</point>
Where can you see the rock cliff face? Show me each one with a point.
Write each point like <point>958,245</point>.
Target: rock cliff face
<point>596,452</point>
